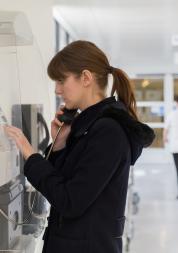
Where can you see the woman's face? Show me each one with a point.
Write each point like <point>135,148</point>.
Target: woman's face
<point>71,90</point>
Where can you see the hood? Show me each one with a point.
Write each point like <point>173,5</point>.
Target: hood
<point>139,134</point>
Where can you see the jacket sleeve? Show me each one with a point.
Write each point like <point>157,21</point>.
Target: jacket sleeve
<point>54,155</point>
<point>101,158</point>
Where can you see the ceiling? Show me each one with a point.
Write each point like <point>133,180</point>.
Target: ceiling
<point>135,34</point>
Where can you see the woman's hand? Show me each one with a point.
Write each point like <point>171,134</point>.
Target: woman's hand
<point>21,141</point>
<point>63,134</point>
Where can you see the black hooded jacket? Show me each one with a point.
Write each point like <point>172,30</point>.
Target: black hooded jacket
<point>86,182</point>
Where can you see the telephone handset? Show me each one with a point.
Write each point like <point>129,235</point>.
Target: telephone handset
<point>68,116</point>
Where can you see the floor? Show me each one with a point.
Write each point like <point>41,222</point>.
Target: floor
<point>156,223</point>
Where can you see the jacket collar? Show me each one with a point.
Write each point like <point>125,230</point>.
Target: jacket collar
<point>86,118</point>
<point>139,135</point>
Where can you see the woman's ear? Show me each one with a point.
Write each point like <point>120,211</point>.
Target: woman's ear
<point>86,78</point>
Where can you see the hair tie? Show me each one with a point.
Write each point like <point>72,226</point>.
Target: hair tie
<point>111,69</point>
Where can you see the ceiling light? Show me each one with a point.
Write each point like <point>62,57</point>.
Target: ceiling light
<point>145,83</point>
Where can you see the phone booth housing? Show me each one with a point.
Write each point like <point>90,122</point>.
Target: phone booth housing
<point>21,71</point>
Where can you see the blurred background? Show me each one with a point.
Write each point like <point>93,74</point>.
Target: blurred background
<point>140,37</point>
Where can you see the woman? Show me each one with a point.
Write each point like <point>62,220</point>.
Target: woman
<point>85,179</point>
<point>170,135</point>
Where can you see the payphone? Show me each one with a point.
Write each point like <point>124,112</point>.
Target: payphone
<point>20,107</point>
<point>10,187</point>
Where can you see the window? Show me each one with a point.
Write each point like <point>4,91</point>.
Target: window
<point>149,93</point>
<point>148,89</point>
<point>158,141</point>
<point>153,113</point>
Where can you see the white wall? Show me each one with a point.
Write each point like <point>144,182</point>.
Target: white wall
<point>39,15</point>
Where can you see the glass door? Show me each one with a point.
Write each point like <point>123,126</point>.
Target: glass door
<point>149,92</point>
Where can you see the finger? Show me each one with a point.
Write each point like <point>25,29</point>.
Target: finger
<point>61,107</point>
<point>15,138</point>
<point>8,131</point>
<point>16,135</point>
<point>57,122</point>
<point>58,113</point>
<point>14,129</point>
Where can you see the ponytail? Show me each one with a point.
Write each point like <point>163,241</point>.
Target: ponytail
<point>124,90</point>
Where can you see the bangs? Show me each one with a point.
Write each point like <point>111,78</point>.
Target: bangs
<point>56,69</point>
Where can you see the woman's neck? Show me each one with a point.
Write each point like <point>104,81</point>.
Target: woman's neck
<point>91,101</point>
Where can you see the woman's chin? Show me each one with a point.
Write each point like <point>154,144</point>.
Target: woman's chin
<point>68,106</point>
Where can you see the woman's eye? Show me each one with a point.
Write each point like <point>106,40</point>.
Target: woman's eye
<point>60,81</point>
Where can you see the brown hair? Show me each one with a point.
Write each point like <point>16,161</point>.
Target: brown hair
<point>81,55</point>
<point>176,98</point>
